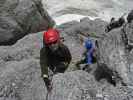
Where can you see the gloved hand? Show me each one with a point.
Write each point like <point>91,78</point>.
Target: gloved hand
<point>65,63</point>
<point>48,83</point>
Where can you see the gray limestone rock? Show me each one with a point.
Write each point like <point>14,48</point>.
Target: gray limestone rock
<point>20,17</point>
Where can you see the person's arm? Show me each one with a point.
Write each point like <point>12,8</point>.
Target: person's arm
<point>43,63</point>
<point>44,68</point>
<point>82,60</point>
<point>67,56</point>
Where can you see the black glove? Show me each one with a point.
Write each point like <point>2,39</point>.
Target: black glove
<point>48,83</point>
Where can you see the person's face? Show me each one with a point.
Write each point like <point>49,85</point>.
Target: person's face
<point>53,46</point>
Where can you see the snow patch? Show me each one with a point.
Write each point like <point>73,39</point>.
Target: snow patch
<point>70,17</point>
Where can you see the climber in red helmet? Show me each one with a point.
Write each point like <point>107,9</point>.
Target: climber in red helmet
<point>54,55</point>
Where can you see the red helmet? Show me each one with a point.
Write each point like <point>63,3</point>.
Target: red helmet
<point>51,36</point>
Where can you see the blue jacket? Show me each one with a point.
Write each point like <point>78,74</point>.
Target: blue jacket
<point>89,56</point>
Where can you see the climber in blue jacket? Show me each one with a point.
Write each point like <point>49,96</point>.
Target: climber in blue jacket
<point>88,55</point>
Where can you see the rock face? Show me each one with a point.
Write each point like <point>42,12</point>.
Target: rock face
<point>20,17</point>
<point>79,85</point>
<point>20,70</point>
<point>113,51</point>
<point>128,31</point>
<point>130,16</point>
<point>84,27</point>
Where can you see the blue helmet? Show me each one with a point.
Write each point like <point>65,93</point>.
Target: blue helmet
<point>88,44</point>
